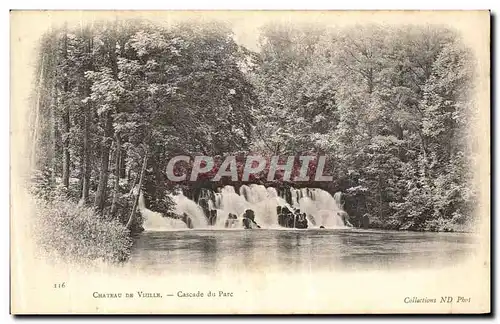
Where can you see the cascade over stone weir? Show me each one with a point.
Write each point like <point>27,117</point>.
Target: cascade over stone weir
<point>254,206</point>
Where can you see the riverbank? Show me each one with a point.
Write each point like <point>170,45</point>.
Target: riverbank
<point>432,225</point>
<point>77,234</point>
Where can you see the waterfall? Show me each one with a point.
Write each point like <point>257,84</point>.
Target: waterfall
<point>216,209</point>
<point>154,221</point>
<point>185,206</point>
<point>321,208</point>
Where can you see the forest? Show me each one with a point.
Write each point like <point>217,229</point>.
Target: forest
<point>389,106</point>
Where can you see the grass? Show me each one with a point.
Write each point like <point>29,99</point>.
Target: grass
<point>76,233</point>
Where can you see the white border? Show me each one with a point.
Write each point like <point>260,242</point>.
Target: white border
<point>190,5</point>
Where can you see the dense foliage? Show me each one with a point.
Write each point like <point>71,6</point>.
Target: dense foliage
<point>78,234</point>
<point>389,108</point>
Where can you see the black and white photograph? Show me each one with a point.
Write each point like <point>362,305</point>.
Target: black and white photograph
<point>249,162</point>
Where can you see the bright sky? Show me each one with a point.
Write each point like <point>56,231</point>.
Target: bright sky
<point>246,24</point>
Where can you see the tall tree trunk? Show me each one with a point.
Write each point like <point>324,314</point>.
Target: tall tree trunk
<point>86,129</point>
<point>66,121</point>
<point>123,169</point>
<point>131,219</point>
<point>100,197</point>
<point>86,157</point>
<point>424,149</point>
<point>37,115</point>
<point>66,154</point>
<point>370,81</point>
<point>82,170</point>
<point>53,136</point>
<point>116,190</point>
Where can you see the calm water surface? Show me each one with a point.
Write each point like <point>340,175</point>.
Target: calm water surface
<point>297,250</point>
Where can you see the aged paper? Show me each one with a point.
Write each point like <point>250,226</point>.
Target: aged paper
<point>250,162</point>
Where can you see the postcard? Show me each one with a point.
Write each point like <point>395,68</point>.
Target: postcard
<point>250,162</point>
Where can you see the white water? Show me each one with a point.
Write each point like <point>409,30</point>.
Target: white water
<point>320,207</point>
<point>184,205</point>
<point>154,221</point>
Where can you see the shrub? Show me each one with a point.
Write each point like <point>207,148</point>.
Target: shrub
<point>77,233</point>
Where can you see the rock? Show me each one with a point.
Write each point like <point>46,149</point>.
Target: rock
<point>250,214</point>
<point>365,221</point>
<point>231,221</point>
<point>296,219</point>
<point>212,220</point>
<point>289,219</point>
<point>286,218</point>
<point>321,226</point>
<point>203,202</point>
<point>249,220</point>
<point>246,223</point>
<point>301,222</point>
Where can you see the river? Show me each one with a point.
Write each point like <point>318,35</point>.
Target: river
<point>215,251</point>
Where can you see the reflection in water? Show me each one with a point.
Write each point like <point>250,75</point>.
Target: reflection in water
<point>210,251</point>
<point>247,249</point>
